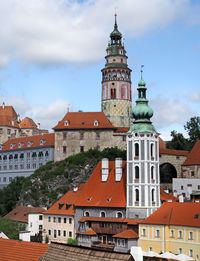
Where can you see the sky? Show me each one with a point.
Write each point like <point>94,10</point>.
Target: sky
<point>52,53</point>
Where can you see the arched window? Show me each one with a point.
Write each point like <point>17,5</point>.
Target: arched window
<point>136,150</point>
<point>47,153</point>
<point>152,147</point>
<point>10,156</point>
<point>137,172</point>
<point>86,214</point>
<point>40,154</point>
<point>119,215</point>
<point>5,157</point>
<point>102,214</point>
<point>153,195</point>
<point>137,195</point>
<point>113,93</point>
<point>34,155</point>
<point>152,172</point>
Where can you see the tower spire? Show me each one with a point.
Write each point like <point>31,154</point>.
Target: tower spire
<point>115,26</point>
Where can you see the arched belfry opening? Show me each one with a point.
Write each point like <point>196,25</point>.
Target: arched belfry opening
<point>167,173</point>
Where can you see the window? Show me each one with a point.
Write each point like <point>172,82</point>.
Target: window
<point>86,214</point>
<point>136,150</point>
<point>137,171</point>
<point>152,172</point>
<point>180,234</point>
<point>59,220</point>
<point>70,233</point>
<point>97,136</point>
<point>119,215</point>
<point>64,233</point>
<point>172,233</point>
<point>65,220</point>
<point>182,187</point>
<point>150,248</point>
<point>66,123</point>
<point>70,220</point>
<point>137,195</point>
<point>34,165</point>
<point>49,232</point>
<point>1,131</point>
<point>40,227</point>
<point>152,150</point>
<point>40,154</point>
<point>102,214</point>
<point>54,233</point>
<point>113,93</point>
<point>198,187</point>
<point>123,138</point>
<point>144,232</point>
<point>64,136</point>
<point>96,123</point>
<point>28,166</point>
<point>42,142</point>
<point>192,173</point>
<point>157,233</point>
<point>8,131</point>
<point>153,195</point>
<point>10,179</point>
<point>49,219</point>
<point>81,148</point>
<point>21,166</point>
<point>190,235</point>
<point>59,233</point>
<point>46,154</point>
<point>40,217</point>
<point>28,154</point>
<point>180,251</point>
<point>191,253</point>
<point>54,219</point>
<point>81,135</point>
<point>4,179</point>
<point>64,149</point>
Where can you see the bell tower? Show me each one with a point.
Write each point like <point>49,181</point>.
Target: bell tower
<point>143,179</point>
<point>116,99</point>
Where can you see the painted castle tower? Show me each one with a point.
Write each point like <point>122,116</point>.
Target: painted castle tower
<point>116,82</point>
<point>143,181</point>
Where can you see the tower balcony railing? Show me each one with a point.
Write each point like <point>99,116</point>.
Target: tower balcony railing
<point>116,79</point>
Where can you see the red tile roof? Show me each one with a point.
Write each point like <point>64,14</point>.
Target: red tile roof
<point>127,234</point>
<point>167,196</point>
<point>14,250</point>
<point>89,232</point>
<point>84,120</point>
<point>29,142</point>
<point>20,213</point>
<point>122,130</point>
<point>8,117</point>
<point>28,123</point>
<point>113,220</point>
<point>104,194</point>
<point>69,198</point>
<point>162,143</point>
<point>194,156</point>
<point>174,152</point>
<point>176,213</point>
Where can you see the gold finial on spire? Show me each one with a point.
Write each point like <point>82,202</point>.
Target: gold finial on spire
<point>116,7</point>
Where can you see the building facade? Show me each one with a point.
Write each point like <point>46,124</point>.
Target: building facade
<point>22,156</point>
<point>116,100</point>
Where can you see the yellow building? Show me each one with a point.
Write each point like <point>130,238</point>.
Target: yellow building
<point>174,227</point>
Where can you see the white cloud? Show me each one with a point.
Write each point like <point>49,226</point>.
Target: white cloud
<point>61,31</point>
<point>47,115</point>
<point>195,96</point>
<point>169,112</point>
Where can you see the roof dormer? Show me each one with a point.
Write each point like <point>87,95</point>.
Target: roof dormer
<point>96,123</point>
<point>66,123</point>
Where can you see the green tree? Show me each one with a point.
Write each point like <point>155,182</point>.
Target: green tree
<point>72,241</point>
<point>46,239</point>
<point>178,142</point>
<point>193,129</point>
<point>11,228</point>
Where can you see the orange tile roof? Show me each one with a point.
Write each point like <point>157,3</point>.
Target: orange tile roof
<point>84,120</point>
<point>14,250</point>
<point>29,142</point>
<point>112,220</point>
<point>129,233</point>
<point>194,156</point>
<point>176,213</point>
<point>89,232</point>
<point>69,198</point>
<point>104,194</point>
<point>167,196</point>
<point>28,123</point>
<point>162,143</point>
<point>8,117</point>
<point>174,152</point>
<point>20,213</point>
<point>122,130</point>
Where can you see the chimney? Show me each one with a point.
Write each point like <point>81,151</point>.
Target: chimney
<point>18,118</point>
<point>13,123</point>
<point>38,125</point>
<point>104,169</point>
<point>3,105</point>
<point>118,169</point>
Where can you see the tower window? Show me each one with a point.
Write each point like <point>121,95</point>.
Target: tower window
<point>136,150</point>
<point>152,172</point>
<point>113,93</point>
<point>137,171</point>
<point>153,195</point>
<point>102,214</point>
<point>152,154</point>
<point>137,195</point>
<point>119,215</point>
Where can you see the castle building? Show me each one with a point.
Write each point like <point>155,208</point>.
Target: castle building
<point>116,82</point>
<point>143,181</point>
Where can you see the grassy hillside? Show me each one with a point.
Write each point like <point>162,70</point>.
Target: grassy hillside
<point>51,181</point>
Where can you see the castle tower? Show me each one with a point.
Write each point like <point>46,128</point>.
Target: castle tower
<point>116,82</point>
<point>143,181</point>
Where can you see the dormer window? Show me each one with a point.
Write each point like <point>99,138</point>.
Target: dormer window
<point>96,123</point>
<point>12,145</point>
<point>66,123</point>
<point>19,145</point>
<point>42,142</point>
<point>29,143</point>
